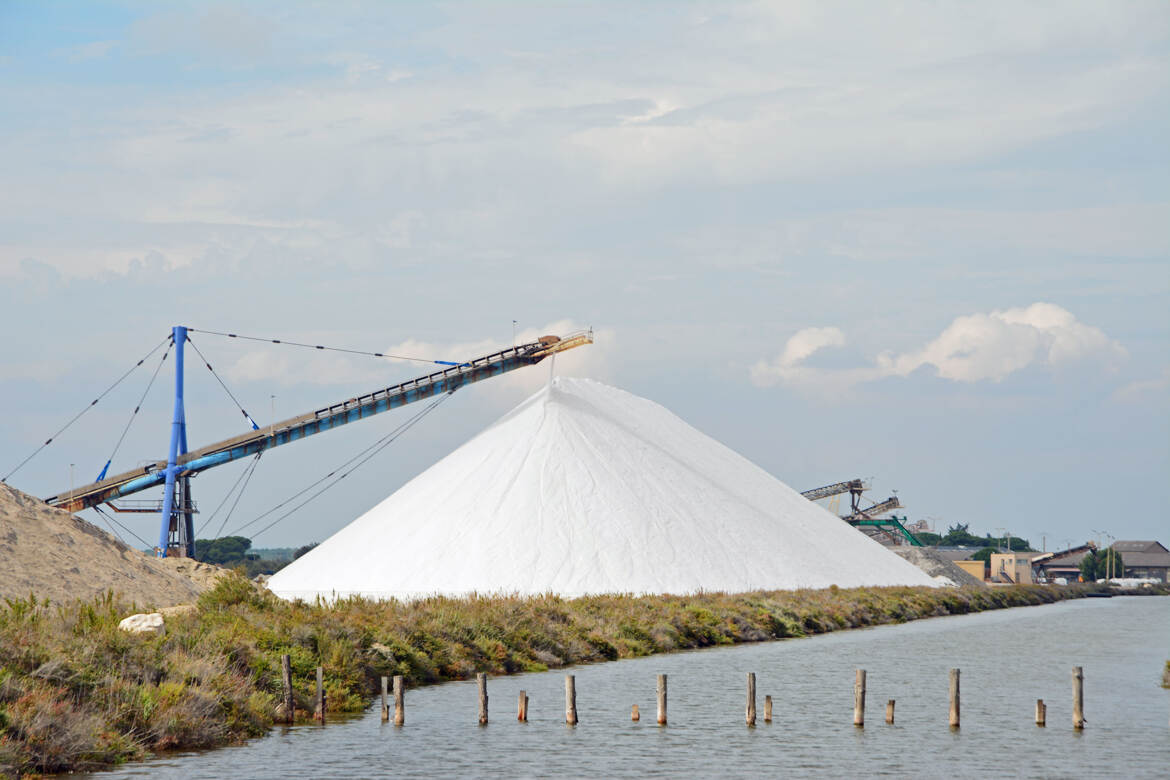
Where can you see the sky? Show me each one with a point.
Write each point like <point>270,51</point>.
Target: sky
<point>922,243</point>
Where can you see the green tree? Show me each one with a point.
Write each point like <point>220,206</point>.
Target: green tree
<point>984,554</point>
<point>224,551</point>
<point>1101,564</point>
<point>1015,543</point>
<point>302,550</point>
<point>958,536</point>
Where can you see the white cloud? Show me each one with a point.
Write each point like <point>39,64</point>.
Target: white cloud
<point>815,92</point>
<point>973,348</point>
<point>808,341</point>
<point>992,346</point>
<point>95,261</point>
<point>788,368</point>
<point>1145,388</point>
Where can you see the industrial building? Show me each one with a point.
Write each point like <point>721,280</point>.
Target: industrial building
<point>1146,559</point>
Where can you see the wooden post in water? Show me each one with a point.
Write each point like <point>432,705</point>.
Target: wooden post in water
<point>662,700</point>
<point>522,707</point>
<point>570,700</point>
<point>481,680</point>
<point>399,700</point>
<point>954,715</point>
<point>1041,713</point>
<point>634,714</point>
<point>319,714</point>
<point>385,698</point>
<point>286,680</point>
<point>890,711</point>
<point>751,699</point>
<point>1078,681</point>
<point>859,698</point>
<point>767,709</point>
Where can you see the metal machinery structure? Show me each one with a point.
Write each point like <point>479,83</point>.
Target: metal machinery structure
<point>176,534</point>
<point>869,517</point>
<point>854,487</point>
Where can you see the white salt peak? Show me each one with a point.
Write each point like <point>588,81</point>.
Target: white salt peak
<point>584,488</point>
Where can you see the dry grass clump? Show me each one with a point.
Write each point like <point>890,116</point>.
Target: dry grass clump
<point>76,692</point>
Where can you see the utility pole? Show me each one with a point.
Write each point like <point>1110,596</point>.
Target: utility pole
<point>1099,539</point>
<point>1110,566</point>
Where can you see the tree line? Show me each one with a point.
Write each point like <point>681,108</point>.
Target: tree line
<point>959,535</point>
<point>234,552</point>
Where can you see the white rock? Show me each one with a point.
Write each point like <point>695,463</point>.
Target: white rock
<point>143,623</point>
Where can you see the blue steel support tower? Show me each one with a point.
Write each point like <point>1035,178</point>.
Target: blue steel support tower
<point>176,527</point>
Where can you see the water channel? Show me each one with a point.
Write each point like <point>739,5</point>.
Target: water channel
<point>1008,658</point>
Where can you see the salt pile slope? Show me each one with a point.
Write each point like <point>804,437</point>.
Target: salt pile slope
<point>582,489</point>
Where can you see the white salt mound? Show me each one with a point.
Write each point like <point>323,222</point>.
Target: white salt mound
<point>584,488</point>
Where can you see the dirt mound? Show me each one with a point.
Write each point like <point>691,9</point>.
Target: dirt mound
<point>935,564</point>
<point>52,554</point>
<point>203,575</point>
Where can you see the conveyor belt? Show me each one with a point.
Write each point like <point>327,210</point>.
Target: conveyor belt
<point>321,420</point>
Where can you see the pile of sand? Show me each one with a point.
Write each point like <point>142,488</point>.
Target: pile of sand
<point>585,488</point>
<point>52,554</point>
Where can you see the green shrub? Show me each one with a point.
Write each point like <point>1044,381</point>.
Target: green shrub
<point>234,590</point>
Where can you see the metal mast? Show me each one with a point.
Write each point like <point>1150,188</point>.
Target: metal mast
<point>176,529</point>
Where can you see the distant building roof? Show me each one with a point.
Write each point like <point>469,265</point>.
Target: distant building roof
<point>1069,558</point>
<point>957,553</point>
<point>1146,546</point>
<point>1143,554</point>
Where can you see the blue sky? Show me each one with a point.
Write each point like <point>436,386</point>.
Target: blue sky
<point>925,244</point>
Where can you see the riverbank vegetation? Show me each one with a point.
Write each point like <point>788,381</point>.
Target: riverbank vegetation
<point>78,693</point>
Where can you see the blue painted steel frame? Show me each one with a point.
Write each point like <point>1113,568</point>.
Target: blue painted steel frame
<point>178,443</point>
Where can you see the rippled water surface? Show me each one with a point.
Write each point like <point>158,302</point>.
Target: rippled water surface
<point>1008,659</point>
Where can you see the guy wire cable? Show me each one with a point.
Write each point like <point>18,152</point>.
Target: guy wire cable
<point>381,445</point>
<point>329,349</point>
<point>306,489</point>
<point>76,417</point>
<point>227,497</point>
<point>124,528</point>
<point>239,406</point>
<point>134,414</point>
<point>228,516</point>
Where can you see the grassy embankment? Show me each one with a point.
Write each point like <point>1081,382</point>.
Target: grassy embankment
<point>78,693</point>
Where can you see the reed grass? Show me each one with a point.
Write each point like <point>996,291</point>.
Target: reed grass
<point>77,693</point>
